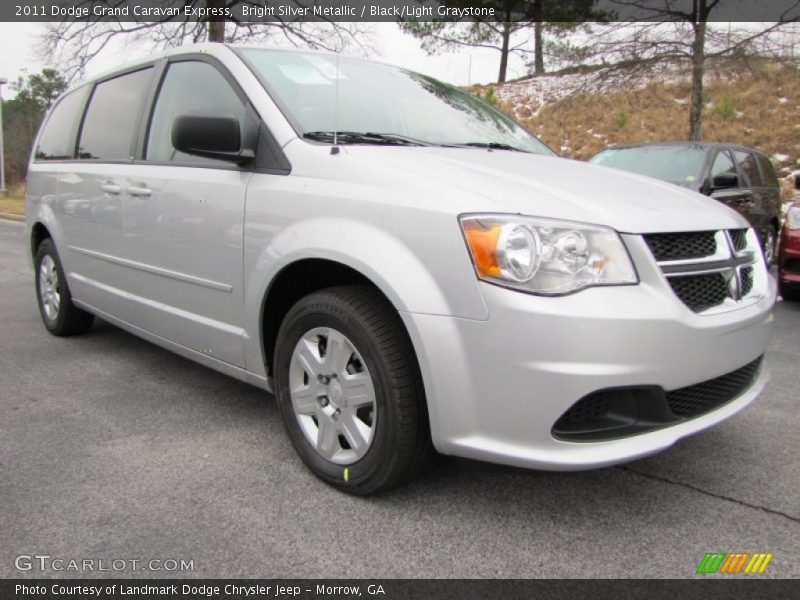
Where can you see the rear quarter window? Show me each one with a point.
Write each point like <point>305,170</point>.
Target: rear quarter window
<point>57,141</point>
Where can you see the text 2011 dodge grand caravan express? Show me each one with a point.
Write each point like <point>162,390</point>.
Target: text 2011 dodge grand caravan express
<point>401,264</point>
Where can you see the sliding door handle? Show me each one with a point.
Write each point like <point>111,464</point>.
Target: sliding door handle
<point>110,188</point>
<point>138,190</point>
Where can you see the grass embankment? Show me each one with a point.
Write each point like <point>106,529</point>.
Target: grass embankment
<point>755,105</point>
<point>14,203</point>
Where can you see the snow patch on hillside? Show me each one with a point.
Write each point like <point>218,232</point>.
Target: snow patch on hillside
<point>528,96</point>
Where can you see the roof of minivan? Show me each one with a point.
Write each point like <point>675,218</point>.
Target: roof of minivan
<point>213,49</point>
<point>206,48</point>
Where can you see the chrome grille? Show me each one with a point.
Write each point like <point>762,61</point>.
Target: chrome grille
<point>706,269</point>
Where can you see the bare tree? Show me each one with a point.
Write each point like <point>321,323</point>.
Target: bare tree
<point>74,44</point>
<point>680,33</point>
<point>508,31</point>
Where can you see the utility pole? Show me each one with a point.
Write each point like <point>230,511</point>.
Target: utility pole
<point>3,190</point>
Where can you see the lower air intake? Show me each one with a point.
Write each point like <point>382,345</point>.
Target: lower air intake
<point>697,399</point>
<point>620,412</point>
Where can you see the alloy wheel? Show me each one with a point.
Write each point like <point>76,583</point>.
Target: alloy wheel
<point>49,288</point>
<point>769,246</point>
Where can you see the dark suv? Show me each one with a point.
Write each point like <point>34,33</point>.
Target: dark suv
<point>738,176</point>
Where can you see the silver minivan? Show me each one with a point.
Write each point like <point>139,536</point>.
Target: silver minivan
<point>404,267</point>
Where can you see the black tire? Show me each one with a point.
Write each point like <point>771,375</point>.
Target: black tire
<point>401,442</point>
<point>789,293</point>
<point>69,319</point>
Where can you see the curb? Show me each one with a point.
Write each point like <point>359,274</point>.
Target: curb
<point>12,217</point>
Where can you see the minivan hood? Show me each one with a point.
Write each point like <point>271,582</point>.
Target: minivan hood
<point>550,187</point>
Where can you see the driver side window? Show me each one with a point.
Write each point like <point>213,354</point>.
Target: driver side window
<point>723,164</point>
<point>193,88</point>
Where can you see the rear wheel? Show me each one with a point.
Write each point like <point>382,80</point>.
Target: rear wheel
<point>60,316</point>
<point>349,390</point>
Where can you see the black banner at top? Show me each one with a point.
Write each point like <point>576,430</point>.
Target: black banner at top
<point>254,11</point>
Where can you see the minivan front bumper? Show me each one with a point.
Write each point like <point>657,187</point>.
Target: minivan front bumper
<point>496,388</point>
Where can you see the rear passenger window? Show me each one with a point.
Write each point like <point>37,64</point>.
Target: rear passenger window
<point>189,88</point>
<point>109,126</point>
<point>767,171</point>
<point>58,136</point>
<point>747,167</point>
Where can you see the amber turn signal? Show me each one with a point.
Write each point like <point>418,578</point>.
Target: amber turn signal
<point>482,242</point>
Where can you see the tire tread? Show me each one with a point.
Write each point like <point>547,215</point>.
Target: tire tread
<point>383,325</point>
<point>71,319</point>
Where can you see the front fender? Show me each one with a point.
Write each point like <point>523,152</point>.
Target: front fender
<point>387,261</point>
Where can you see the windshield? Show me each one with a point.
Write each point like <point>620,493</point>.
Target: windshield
<point>676,164</point>
<point>400,106</point>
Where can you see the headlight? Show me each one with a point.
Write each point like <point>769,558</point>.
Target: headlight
<point>543,256</point>
<point>793,217</point>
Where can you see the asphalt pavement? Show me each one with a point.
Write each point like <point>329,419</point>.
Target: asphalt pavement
<point>112,448</point>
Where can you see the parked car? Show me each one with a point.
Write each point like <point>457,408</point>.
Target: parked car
<point>789,255</point>
<point>737,176</point>
<point>400,263</point>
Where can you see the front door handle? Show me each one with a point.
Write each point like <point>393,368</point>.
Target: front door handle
<point>138,190</point>
<point>110,188</point>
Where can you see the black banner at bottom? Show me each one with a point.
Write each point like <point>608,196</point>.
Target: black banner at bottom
<point>393,589</point>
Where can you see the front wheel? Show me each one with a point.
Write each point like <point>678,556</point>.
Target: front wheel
<point>60,316</point>
<point>770,244</point>
<point>349,390</point>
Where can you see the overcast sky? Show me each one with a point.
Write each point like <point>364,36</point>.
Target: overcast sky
<point>478,65</point>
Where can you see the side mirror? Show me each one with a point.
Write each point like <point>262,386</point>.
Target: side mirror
<point>724,181</point>
<point>210,136</point>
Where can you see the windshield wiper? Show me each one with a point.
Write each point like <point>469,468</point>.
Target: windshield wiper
<point>491,146</point>
<point>357,137</point>
<point>395,139</point>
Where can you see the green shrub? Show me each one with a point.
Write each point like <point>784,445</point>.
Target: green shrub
<point>621,120</point>
<point>490,96</point>
<point>726,108</point>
